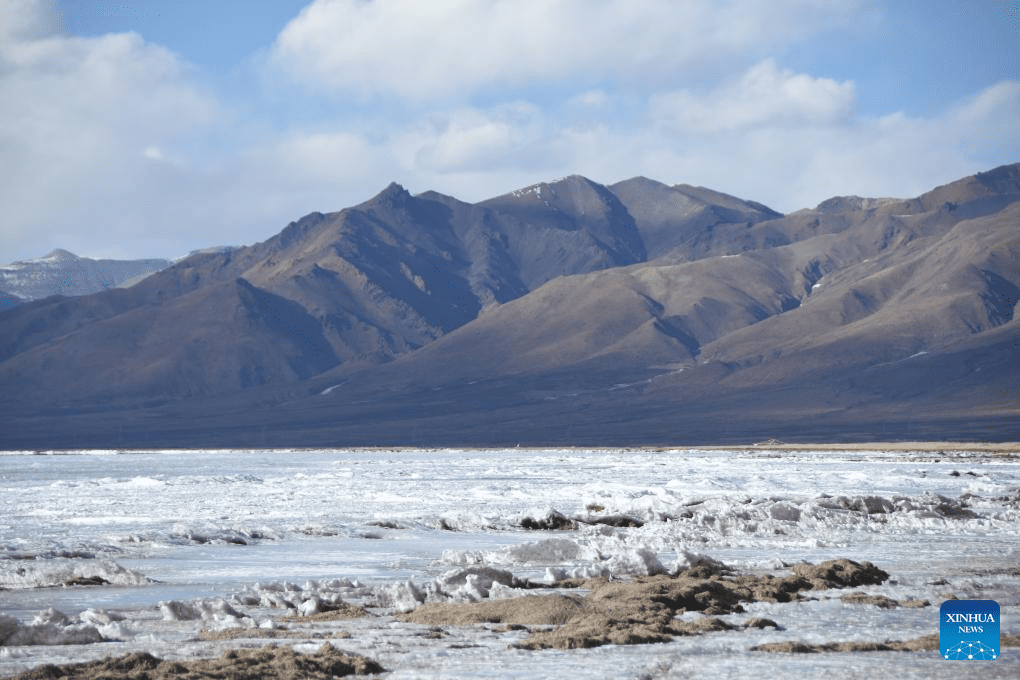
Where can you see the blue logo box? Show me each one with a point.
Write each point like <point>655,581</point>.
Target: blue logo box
<point>969,630</point>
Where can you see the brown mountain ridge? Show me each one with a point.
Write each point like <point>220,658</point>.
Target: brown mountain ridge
<point>565,312</point>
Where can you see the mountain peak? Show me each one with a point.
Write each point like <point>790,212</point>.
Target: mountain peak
<point>852,203</point>
<point>393,192</point>
<point>572,180</point>
<point>640,181</point>
<point>61,272</point>
<point>393,196</point>
<point>546,191</point>
<point>59,254</point>
<point>1004,179</point>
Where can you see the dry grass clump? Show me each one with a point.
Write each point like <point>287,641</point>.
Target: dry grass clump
<point>877,600</point>
<point>644,610</point>
<point>922,644</point>
<point>266,663</point>
<point>270,634</point>
<point>534,610</point>
<point>341,612</point>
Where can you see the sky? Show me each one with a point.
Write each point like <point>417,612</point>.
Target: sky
<point>152,128</point>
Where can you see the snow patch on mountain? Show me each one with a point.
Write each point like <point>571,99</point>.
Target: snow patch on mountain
<point>63,273</point>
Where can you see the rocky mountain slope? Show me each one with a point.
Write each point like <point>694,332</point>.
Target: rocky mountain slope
<point>64,273</point>
<point>564,312</point>
<point>7,300</point>
<point>353,288</point>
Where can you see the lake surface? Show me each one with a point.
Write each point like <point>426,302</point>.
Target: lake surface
<point>201,526</point>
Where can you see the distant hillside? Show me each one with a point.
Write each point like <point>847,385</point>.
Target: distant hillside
<point>8,300</point>
<point>64,273</point>
<point>354,288</point>
<point>564,312</point>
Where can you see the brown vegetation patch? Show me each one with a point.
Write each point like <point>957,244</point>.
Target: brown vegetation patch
<point>619,521</point>
<point>915,604</point>
<point>924,643</point>
<point>266,663</point>
<point>877,600</point>
<point>883,602</point>
<point>921,644</point>
<point>341,612</point>
<point>247,633</point>
<point>556,521</point>
<point>269,634</point>
<point>928,642</point>
<point>840,574</point>
<point>547,610</point>
<point>88,581</point>
<point>761,623</point>
<point>643,610</point>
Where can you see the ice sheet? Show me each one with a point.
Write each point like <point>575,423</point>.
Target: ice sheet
<point>390,529</point>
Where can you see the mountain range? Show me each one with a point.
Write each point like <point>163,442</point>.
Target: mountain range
<point>568,312</point>
<point>64,273</point>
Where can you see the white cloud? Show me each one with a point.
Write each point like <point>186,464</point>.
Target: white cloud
<point>27,19</point>
<point>318,158</point>
<point>773,157</point>
<point>792,153</point>
<point>473,139</point>
<point>764,95</point>
<point>990,121</point>
<point>590,100</point>
<point>77,114</point>
<point>110,143</point>
<point>428,50</point>
<point>829,151</point>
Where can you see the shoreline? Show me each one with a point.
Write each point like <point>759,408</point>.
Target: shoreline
<point>1004,448</point>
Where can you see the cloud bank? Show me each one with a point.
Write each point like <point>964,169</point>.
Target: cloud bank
<point>114,146</point>
<point>85,119</point>
<point>443,48</point>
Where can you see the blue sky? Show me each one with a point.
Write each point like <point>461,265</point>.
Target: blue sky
<point>152,128</point>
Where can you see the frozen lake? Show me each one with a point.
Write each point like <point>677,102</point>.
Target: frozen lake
<point>113,534</point>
